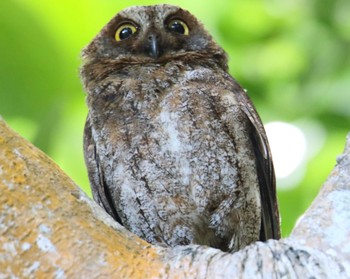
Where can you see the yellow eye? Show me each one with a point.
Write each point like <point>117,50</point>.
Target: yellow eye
<point>178,26</point>
<point>125,31</point>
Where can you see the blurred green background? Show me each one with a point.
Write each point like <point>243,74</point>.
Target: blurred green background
<point>292,56</point>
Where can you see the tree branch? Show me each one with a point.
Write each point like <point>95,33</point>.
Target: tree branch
<point>50,228</point>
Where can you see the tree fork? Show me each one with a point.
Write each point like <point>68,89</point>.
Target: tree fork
<point>49,228</point>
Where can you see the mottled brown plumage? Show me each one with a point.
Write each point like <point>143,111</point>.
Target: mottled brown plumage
<point>174,148</point>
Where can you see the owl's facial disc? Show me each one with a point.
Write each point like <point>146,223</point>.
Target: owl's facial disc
<point>154,34</point>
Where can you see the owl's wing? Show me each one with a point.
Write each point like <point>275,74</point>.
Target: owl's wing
<point>98,184</point>
<point>270,225</point>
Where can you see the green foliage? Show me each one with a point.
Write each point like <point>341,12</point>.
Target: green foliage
<point>292,56</point>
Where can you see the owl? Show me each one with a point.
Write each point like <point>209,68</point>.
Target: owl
<point>174,148</point>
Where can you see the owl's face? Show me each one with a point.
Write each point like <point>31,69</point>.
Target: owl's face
<point>152,34</point>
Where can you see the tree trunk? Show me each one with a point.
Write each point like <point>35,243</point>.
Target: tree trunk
<point>50,229</point>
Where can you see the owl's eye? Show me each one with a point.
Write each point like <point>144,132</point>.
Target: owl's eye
<point>178,26</point>
<point>125,31</point>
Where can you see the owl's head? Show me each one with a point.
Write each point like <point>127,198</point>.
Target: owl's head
<point>154,34</point>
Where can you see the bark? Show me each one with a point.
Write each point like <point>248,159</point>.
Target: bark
<point>50,229</point>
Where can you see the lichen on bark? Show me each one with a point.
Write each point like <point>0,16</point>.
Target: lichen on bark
<point>50,228</point>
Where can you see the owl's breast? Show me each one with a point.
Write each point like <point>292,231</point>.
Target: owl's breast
<point>180,152</point>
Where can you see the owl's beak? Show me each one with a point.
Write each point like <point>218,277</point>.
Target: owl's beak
<point>154,45</point>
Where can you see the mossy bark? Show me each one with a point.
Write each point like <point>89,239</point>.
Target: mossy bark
<point>50,229</point>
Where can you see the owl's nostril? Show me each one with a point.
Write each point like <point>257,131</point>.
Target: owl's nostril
<point>153,37</point>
